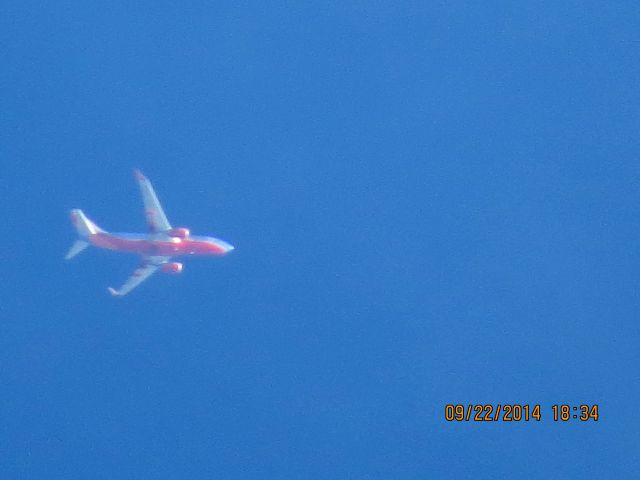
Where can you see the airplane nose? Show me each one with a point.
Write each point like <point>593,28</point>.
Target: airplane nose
<point>218,246</point>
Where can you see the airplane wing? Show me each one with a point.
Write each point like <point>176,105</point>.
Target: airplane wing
<point>148,268</point>
<point>156,218</point>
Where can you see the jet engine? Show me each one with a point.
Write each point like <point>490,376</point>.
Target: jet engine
<point>179,232</point>
<point>172,267</point>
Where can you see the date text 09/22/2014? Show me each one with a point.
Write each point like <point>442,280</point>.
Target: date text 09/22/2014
<point>519,412</point>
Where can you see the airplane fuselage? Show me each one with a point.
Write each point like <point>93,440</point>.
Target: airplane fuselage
<point>159,244</point>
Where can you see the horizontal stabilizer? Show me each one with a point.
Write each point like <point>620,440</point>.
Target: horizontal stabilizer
<point>76,248</point>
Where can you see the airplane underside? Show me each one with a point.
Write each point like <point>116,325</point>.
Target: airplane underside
<point>156,248</point>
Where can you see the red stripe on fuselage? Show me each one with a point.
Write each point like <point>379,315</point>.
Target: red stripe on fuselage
<point>155,247</point>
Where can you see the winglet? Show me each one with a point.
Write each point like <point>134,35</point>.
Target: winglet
<point>113,292</point>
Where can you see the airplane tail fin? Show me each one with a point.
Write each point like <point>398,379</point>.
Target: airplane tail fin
<point>85,229</point>
<point>84,226</point>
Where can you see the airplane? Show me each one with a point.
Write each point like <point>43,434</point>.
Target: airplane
<point>156,247</point>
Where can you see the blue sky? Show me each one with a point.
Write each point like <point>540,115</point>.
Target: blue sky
<point>431,203</point>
